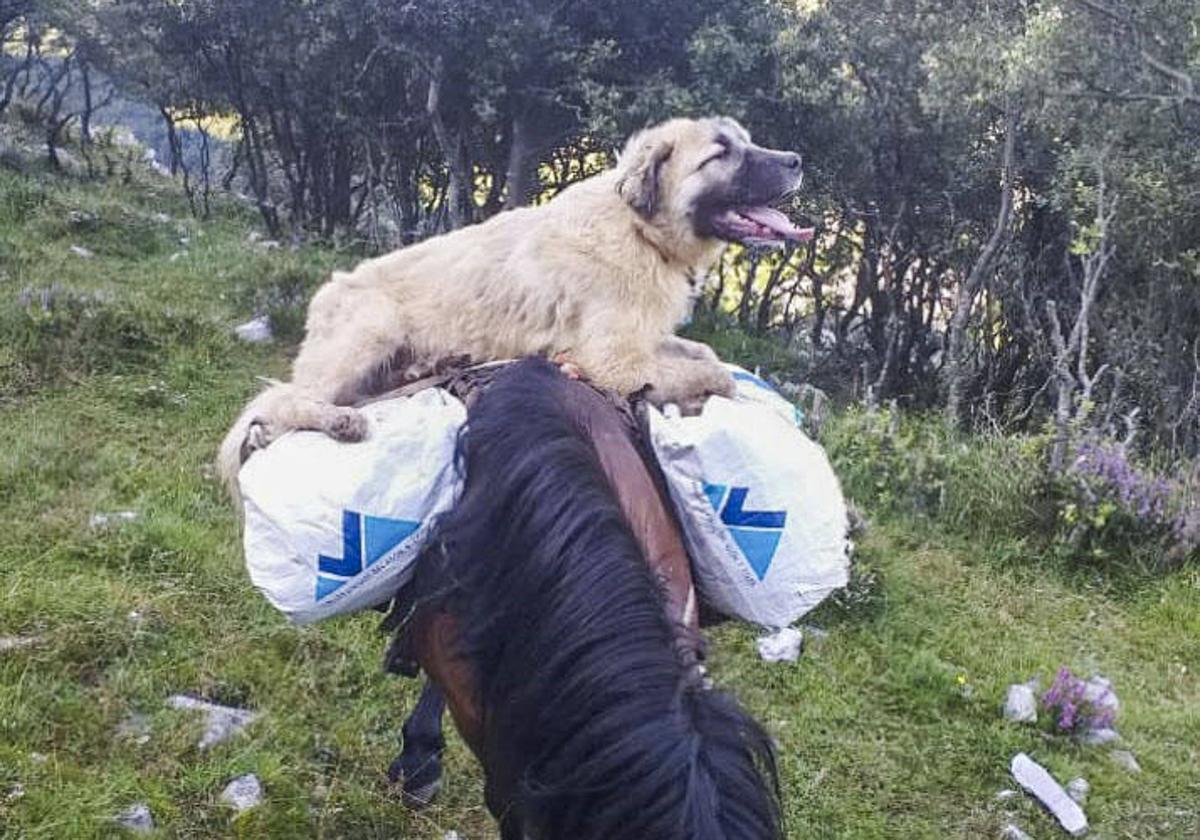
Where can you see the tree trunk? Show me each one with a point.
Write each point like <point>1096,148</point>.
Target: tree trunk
<point>454,152</point>
<point>522,175</point>
<point>957,371</point>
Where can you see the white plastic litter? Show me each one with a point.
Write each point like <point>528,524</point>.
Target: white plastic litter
<point>1038,782</point>
<point>255,331</point>
<point>331,527</point>
<point>784,645</point>
<point>761,509</point>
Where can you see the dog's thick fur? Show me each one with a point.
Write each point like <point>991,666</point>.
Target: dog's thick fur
<point>602,274</point>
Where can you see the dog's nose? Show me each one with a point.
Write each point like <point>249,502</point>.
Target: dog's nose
<point>792,161</point>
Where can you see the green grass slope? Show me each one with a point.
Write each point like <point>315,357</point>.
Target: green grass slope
<point>118,375</point>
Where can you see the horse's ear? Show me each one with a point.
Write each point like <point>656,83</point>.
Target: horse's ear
<point>641,168</point>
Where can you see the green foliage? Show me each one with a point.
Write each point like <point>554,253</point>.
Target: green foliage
<point>989,488</point>
<point>900,700</point>
<point>56,334</point>
<point>999,491</point>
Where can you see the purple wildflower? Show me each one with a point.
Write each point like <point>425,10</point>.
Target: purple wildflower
<point>1075,709</point>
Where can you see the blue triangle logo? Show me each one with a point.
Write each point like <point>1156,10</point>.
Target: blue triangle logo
<point>758,547</point>
<point>327,586</point>
<point>756,532</point>
<point>715,493</point>
<point>385,534</point>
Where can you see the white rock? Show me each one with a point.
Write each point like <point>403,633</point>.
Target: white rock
<point>1125,760</point>
<point>1099,692</point>
<point>1012,832</point>
<point>1005,795</point>
<point>1020,706</point>
<point>451,835</point>
<point>135,728</point>
<point>38,758</point>
<point>104,520</point>
<point>1038,782</point>
<point>243,793</point>
<point>256,331</point>
<point>8,643</point>
<point>1078,789</point>
<point>80,251</point>
<point>1098,737</point>
<point>781,646</point>
<point>221,721</point>
<point>17,791</point>
<point>137,818</point>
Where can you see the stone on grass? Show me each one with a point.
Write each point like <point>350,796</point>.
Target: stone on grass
<point>256,331</point>
<point>220,721</point>
<point>781,646</point>
<point>1078,789</point>
<point>16,791</point>
<point>137,818</point>
<point>1038,782</point>
<point>81,252</point>
<point>1012,832</point>
<point>451,835</point>
<point>135,728</point>
<point>1099,692</point>
<point>1005,795</point>
<point>107,520</point>
<point>1125,760</point>
<point>8,643</point>
<point>1099,737</point>
<point>243,793</point>
<point>1020,705</point>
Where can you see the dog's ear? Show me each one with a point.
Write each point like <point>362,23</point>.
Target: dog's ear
<point>641,167</point>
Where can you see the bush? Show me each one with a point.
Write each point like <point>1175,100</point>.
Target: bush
<point>279,284</point>
<point>1102,512</point>
<point>1112,510</point>
<point>912,465</point>
<point>55,334</point>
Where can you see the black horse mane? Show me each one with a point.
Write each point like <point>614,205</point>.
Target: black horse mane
<point>595,727</point>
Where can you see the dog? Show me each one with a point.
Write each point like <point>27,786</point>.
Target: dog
<point>601,275</point>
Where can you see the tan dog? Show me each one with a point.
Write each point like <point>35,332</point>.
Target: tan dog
<point>602,274</point>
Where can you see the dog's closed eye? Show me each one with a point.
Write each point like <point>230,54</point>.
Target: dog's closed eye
<point>720,150</point>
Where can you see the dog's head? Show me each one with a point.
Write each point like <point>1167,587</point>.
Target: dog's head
<point>705,180</point>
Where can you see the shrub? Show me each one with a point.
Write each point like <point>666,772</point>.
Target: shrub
<point>55,333</point>
<point>1113,510</point>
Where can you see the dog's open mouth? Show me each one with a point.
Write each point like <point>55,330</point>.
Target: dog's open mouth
<point>757,226</point>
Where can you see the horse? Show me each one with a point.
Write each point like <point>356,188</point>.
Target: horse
<point>554,615</point>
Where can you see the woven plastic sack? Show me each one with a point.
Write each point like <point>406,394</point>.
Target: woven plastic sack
<point>332,528</point>
<point>762,511</point>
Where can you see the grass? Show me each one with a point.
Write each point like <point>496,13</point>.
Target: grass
<point>113,396</point>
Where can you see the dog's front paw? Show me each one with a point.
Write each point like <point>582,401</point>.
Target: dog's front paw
<point>348,425</point>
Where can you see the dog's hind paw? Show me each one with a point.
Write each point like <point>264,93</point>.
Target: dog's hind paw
<point>348,425</point>
<point>258,436</point>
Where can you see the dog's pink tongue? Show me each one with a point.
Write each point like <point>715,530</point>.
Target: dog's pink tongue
<point>777,223</point>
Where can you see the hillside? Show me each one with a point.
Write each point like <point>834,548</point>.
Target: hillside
<point>118,375</point>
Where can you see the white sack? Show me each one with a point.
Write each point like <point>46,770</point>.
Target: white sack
<point>761,509</point>
<point>331,527</point>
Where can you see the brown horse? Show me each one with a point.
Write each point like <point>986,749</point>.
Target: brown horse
<point>554,614</point>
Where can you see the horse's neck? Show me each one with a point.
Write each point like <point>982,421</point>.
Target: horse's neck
<point>643,499</point>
